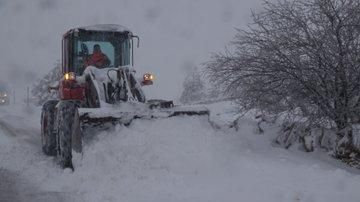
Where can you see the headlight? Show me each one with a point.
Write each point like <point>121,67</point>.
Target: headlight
<point>149,77</point>
<point>69,76</point>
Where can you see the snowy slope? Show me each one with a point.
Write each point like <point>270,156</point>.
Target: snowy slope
<point>175,159</point>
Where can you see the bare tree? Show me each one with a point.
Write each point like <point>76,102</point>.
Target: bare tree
<point>194,89</point>
<point>40,89</point>
<point>299,56</point>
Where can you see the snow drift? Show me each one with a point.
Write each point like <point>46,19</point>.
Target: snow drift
<point>175,159</point>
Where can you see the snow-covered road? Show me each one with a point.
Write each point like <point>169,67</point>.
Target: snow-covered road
<point>20,134</point>
<point>14,187</point>
<point>175,159</point>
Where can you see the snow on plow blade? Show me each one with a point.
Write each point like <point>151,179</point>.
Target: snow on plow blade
<point>127,112</point>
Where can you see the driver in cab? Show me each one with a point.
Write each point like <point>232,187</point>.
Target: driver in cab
<point>97,58</point>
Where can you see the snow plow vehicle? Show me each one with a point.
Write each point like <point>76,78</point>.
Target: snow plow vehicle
<point>4,94</point>
<point>97,89</point>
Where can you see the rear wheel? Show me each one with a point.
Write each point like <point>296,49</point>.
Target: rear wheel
<point>68,123</point>
<point>48,135</point>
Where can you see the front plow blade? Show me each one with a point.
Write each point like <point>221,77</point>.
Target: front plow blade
<point>186,110</point>
<point>114,115</point>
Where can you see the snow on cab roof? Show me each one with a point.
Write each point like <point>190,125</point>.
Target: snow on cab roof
<point>106,27</point>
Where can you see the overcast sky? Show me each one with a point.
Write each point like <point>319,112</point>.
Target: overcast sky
<point>176,35</point>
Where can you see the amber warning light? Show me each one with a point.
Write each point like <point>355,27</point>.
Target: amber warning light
<point>148,79</point>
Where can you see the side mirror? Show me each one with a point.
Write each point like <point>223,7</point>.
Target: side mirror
<point>84,50</point>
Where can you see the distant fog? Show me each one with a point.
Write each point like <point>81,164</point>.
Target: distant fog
<point>176,35</point>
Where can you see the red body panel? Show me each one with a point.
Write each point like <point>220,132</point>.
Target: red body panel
<point>69,90</point>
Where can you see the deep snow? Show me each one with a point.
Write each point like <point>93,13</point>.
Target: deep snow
<point>175,159</point>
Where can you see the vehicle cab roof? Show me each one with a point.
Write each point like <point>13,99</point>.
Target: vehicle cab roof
<point>101,28</point>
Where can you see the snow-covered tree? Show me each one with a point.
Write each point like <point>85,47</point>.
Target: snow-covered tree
<point>194,88</point>
<point>298,56</point>
<point>40,89</point>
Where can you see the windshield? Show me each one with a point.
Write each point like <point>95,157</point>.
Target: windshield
<point>99,49</point>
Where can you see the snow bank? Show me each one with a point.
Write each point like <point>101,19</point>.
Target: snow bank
<point>184,159</point>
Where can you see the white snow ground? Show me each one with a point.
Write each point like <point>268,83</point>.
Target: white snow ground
<point>164,160</point>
